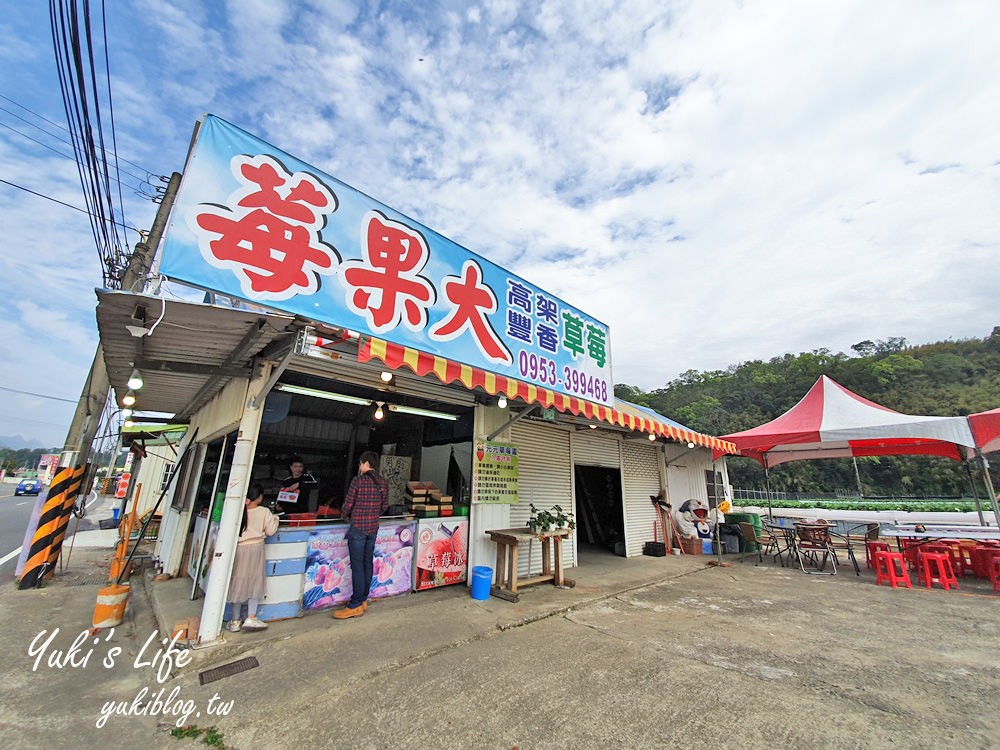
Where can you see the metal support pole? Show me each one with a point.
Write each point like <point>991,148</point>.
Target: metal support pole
<point>232,513</point>
<point>857,476</point>
<point>975,493</point>
<point>989,486</point>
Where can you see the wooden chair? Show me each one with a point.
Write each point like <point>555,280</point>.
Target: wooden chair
<point>811,540</point>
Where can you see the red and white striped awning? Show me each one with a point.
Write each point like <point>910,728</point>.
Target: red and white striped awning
<point>626,415</point>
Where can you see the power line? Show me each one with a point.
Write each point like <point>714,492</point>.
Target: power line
<point>68,205</point>
<point>63,127</point>
<point>39,395</point>
<point>73,43</point>
<point>142,181</point>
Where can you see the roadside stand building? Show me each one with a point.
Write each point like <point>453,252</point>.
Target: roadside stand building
<point>331,325</point>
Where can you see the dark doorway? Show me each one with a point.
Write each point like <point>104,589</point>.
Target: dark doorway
<point>600,519</point>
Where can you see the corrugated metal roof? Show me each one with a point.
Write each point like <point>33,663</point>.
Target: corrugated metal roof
<point>192,350</point>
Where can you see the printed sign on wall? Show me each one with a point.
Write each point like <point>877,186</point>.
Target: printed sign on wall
<point>253,222</point>
<point>494,473</point>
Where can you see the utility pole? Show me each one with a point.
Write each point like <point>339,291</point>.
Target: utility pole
<point>86,418</point>
<point>50,516</point>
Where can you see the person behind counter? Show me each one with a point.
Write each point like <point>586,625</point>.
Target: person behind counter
<point>298,491</point>
<point>367,499</point>
<point>247,582</point>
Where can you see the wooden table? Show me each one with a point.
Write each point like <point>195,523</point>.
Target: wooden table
<point>508,541</point>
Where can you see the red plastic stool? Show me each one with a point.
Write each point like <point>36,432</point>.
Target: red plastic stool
<point>885,567</point>
<point>995,571</point>
<point>956,557</point>
<point>870,549</point>
<point>911,552</point>
<point>982,555</point>
<point>936,566</point>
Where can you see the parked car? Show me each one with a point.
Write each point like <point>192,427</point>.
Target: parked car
<point>29,487</point>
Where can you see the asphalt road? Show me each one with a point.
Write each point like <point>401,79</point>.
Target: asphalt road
<point>15,513</point>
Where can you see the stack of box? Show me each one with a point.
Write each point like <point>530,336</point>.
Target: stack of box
<point>420,501</point>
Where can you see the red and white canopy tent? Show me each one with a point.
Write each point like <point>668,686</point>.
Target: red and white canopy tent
<point>986,430</point>
<point>832,422</point>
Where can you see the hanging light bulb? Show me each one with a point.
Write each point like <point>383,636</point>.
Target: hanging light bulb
<point>652,437</point>
<point>126,412</point>
<point>690,445</point>
<point>378,410</point>
<point>386,376</point>
<point>593,426</point>
<point>135,380</point>
<point>502,401</point>
<point>129,398</point>
<point>129,423</point>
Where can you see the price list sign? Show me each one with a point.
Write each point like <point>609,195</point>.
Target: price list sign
<point>494,473</point>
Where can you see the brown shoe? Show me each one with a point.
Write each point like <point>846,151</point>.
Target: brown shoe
<point>343,614</point>
<point>364,606</point>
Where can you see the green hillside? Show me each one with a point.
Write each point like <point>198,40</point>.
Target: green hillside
<point>947,378</point>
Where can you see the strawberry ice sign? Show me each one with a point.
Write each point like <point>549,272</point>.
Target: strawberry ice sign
<point>256,223</point>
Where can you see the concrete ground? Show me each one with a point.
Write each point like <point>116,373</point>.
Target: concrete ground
<point>642,653</point>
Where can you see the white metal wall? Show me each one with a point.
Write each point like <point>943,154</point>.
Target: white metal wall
<point>150,477</point>
<point>640,479</point>
<point>545,479</point>
<point>591,448</point>
<point>686,473</point>
<point>482,551</point>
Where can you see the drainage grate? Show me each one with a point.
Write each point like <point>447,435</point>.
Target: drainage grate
<point>227,670</point>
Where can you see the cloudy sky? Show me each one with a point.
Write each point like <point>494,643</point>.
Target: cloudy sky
<point>717,181</point>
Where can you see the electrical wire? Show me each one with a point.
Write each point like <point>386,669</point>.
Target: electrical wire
<point>39,395</point>
<point>137,189</point>
<point>149,175</point>
<point>62,203</point>
<point>73,44</point>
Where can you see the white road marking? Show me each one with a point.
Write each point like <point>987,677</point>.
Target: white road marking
<point>10,555</point>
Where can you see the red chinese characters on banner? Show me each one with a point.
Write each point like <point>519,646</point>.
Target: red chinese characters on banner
<point>270,234</point>
<point>471,301</point>
<point>385,286</point>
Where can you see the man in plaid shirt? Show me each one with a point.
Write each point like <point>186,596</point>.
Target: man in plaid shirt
<point>367,499</point>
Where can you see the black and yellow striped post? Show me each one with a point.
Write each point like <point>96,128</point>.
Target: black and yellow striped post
<point>49,522</point>
<point>67,512</point>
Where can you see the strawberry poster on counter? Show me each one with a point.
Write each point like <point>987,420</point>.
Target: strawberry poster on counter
<point>328,564</point>
<point>442,552</point>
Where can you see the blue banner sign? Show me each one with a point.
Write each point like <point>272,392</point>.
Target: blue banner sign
<point>253,222</point>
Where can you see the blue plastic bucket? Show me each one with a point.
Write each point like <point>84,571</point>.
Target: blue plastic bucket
<point>482,579</point>
<point>116,511</point>
<point>706,546</point>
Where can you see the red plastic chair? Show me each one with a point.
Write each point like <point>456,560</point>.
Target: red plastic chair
<point>995,571</point>
<point>870,549</point>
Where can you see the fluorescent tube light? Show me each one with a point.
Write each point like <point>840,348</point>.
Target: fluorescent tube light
<point>303,391</point>
<point>422,412</point>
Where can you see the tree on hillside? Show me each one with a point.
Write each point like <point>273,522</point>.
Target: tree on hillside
<point>947,378</point>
